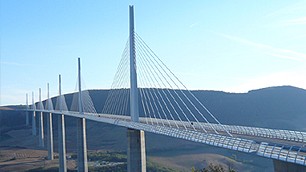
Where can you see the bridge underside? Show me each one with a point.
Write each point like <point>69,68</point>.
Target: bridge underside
<point>281,166</point>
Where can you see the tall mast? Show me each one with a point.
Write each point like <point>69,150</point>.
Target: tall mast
<point>60,92</point>
<point>48,95</point>
<point>133,73</point>
<point>80,88</point>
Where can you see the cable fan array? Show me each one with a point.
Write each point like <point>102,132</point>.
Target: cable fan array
<point>40,105</point>
<point>117,101</point>
<point>61,103</point>
<point>49,104</point>
<point>163,99</point>
<point>87,104</point>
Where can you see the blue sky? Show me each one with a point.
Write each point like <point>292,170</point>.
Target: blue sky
<point>232,46</point>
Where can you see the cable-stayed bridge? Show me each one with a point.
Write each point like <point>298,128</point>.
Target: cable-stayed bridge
<point>146,96</point>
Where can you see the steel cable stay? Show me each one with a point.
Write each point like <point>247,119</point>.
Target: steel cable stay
<point>146,115</point>
<point>179,89</point>
<point>108,106</point>
<point>108,103</point>
<point>148,87</point>
<point>146,74</point>
<point>147,102</point>
<point>162,64</point>
<point>148,97</point>
<point>183,102</point>
<point>122,96</point>
<point>155,97</point>
<point>148,69</point>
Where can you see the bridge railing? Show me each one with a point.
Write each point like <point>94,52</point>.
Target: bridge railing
<point>296,136</point>
<point>292,154</point>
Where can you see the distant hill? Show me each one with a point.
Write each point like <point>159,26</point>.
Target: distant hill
<point>274,107</point>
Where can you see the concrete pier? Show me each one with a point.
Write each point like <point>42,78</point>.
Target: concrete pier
<point>41,130</point>
<point>82,147</point>
<point>34,133</point>
<point>62,144</point>
<point>49,127</point>
<point>50,137</point>
<point>136,151</point>
<point>27,112</point>
<point>41,124</point>
<point>282,166</point>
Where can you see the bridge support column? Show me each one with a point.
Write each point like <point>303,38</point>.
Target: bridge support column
<point>282,166</point>
<point>34,133</point>
<point>82,147</point>
<point>41,130</point>
<point>49,127</point>
<point>50,137</point>
<point>27,112</point>
<point>62,144</point>
<point>41,139</point>
<point>136,151</point>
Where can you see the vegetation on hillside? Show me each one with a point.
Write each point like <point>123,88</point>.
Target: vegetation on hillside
<point>116,161</point>
<point>214,168</point>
